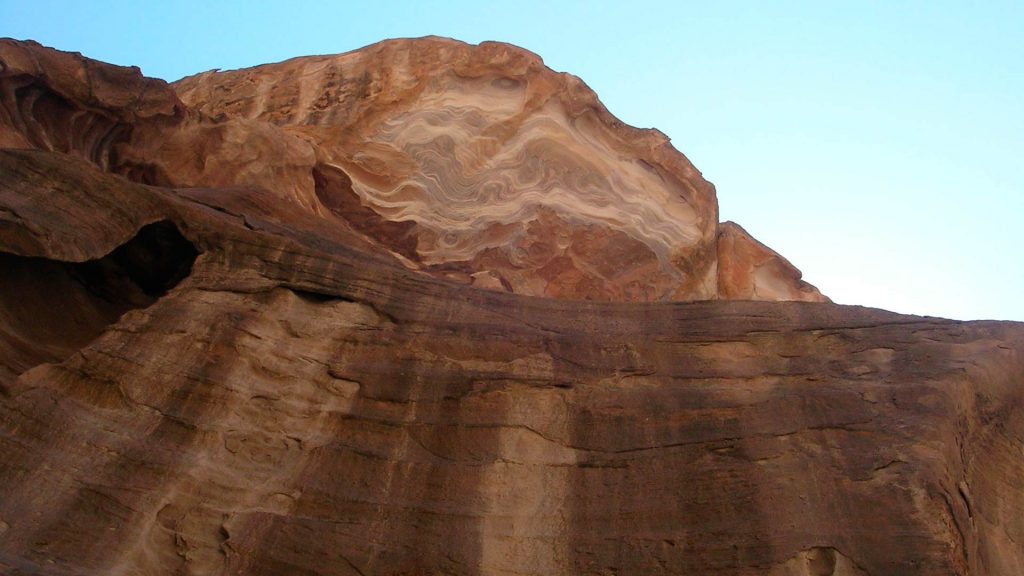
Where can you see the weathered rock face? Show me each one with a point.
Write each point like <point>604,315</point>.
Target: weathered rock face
<point>749,270</point>
<point>63,102</point>
<point>472,163</point>
<point>492,164</point>
<point>212,380</point>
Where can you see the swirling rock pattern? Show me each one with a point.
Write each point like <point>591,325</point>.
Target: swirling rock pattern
<point>498,170</point>
<point>231,343</point>
<point>64,102</point>
<point>473,163</point>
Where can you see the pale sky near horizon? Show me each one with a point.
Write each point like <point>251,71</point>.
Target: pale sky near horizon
<point>879,146</point>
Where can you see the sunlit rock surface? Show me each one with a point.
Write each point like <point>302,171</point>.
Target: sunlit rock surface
<point>749,270</point>
<point>220,353</point>
<point>472,163</point>
<point>493,163</point>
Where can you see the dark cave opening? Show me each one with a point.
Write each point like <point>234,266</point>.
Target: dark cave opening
<point>49,308</point>
<point>155,260</point>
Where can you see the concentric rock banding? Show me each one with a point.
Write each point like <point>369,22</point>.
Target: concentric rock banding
<point>494,165</point>
<point>67,103</point>
<point>472,163</point>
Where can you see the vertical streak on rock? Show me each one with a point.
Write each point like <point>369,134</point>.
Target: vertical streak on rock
<point>108,484</point>
<point>524,530</point>
<point>989,494</point>
<point>397,475</point>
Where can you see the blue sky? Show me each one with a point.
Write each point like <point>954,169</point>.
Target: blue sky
<point>877,145</point>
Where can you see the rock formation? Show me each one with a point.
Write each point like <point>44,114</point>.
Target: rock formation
<point>472,163</point>
<point>285,321</point>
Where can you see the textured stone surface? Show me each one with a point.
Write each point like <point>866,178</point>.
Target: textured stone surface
<point>64,102</point>
<point>214,381</point>
<point>472,163</point>
<point>494,163</point>
<point>749,270</point>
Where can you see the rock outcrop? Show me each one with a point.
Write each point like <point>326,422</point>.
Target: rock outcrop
<point>472,163</point>
<point>749,270</point>
<point>215,360</point>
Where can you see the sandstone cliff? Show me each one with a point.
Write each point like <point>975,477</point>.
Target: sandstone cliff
<point>237,338</point>
<point>472,163</point>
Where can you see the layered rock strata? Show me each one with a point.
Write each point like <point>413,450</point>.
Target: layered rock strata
<point>218,380</point>
<point>472,163</point>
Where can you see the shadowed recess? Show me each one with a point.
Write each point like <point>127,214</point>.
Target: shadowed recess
<point>50,309</point>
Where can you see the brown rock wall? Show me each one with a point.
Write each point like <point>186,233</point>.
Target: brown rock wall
<point>214,380</point>
<point>460,161</point>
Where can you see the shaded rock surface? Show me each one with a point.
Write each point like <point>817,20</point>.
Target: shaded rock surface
<point>225,377</point>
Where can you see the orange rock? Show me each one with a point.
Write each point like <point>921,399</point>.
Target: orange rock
<point>243,333</point>
<point>296,405</point>
<point>489,161</point>
<point>749,270</point>
<point>456,159</point>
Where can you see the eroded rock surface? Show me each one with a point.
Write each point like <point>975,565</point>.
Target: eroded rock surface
<point>493,163</point>
<point>472,163</point>
<point>247,384</point>
<point>749,270</point>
